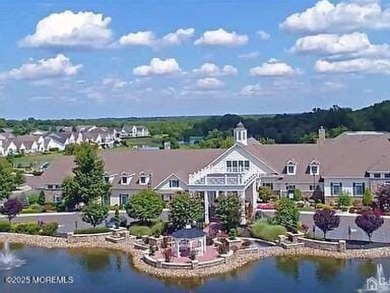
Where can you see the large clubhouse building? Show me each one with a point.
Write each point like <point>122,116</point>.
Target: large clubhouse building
<point>351,162</point>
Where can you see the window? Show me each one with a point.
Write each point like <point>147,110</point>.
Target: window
<point>358,188</point>
<point>335,188</point>
<point>387,175</point>
<point>174,183</point>
<point>107,179</point>
<point>377,175</point>
<point>57,186</point>
<point>314,187</point>
<point>237,166</point>
<point>269,185</point>
<point>56,198</point>
<point>124,180</point>
<point>167,197</point>
<point>291,169</point>
<point>123,199</point>
<point>50,186</point>
<point>313,170</point>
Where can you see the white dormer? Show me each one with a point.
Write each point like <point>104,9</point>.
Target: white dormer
<point>314,168</point>
<point>125,178</point>
<point>143,178</point>
<point>291,167</point>
<point>241,134</point>
<point>109,178</point>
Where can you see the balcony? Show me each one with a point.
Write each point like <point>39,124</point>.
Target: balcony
<point>224,179</point>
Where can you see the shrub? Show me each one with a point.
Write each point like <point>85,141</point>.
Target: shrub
<point>263,230</point>
<point>36,208</point>
<point>223,248</point>
<point>323,206</point>
<point>298,195</point>
<point>157,229</point>
<point>49,229</point>
<point>357,203</point>
<point>209,240</point>
<point>139,231</point>
<point>95,230</point>
<point>233,233</point>
<point>60,206</point>
<point>5,226</point>
<point>344,199</point>
<point>28,211</point>
<point>33,198</point>
<point>367,197</point>
<point>49,207</point>
<point>168,254</point>
<point>265,193</point>
<point>25,228</point>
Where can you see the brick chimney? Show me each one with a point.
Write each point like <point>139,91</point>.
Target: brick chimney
<point>321,135</point>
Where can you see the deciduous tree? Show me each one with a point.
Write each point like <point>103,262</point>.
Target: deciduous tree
<point>326,220</point>
<point>184,209</point>
<point>287,214</point>
<point>8,179</point>
<point>145,205</point>
<point>369,222</point>
<point>228,211</point>
<point>382,195</point>
<point>11,208</point>
<point>95,213</point>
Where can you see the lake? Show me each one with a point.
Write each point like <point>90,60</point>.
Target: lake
<point>105,271</point>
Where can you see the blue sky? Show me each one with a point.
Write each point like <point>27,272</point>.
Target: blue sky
<point>67,59</point>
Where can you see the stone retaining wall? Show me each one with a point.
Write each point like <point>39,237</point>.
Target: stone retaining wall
<point>75,238</point>
<point>235,262</point>
<point>339,246</point>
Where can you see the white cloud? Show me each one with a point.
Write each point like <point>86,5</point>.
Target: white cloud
<point>252,90</point>
<point>158,67</point>
<point>273,68</point>
<point>352,45</point>
<point>211,69</point>
<point>115,83</point>
<point>209,83</point>
<point>250,55</point>
<point>263,35</point>
<point>344,16</point>
<point>360,65</point>
<point>70,30</point>
<point>148,38</point>
<point>58,66</point>
<point>222,38</point>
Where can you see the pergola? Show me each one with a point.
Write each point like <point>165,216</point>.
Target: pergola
<point>189,239</point>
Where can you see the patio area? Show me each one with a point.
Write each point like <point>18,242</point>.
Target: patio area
<point>211,253</point>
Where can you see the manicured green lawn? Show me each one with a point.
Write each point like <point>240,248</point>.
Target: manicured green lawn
<point>35,159</point>
<point>148,141</point>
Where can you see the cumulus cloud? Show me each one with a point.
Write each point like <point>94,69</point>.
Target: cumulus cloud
<point>158,67</point>
<point>115,83</point>
<point>359,65</point>
<point>70,30</point>
<point>211,69</point>
<point>250,55</point>
<point>325,16</point>
<point>273,68</point>
<point>209,83</point>
<point>252,90</point>
<point>220,37</point>
<point>263,35</point>
<point>58,66</point>
<point>148,38</point>
<point>352,45</point>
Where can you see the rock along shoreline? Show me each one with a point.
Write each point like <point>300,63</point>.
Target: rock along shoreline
<point>236,262</point>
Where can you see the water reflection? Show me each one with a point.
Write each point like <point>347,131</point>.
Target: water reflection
<point>95,260</point>
<point>327,269</point>
<point>288,266</point>
<point>367,268</point>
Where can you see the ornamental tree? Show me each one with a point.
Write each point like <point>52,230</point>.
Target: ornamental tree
<point>326,220</point>
<point>117,217</point>
<point>88,182</point>
<point>95,214</point>
<point>145,205</point>
<point>287,214</point>
<point>228,211</point>
<point>11,208</point>
<point>185,209</point>
<point>369,222</point>
<point>344,199</point>
<point>382,195</point>
<point>8,179</point>
<point>265,193</point>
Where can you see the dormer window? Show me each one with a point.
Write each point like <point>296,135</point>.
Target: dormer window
<point>143,178</point>
<point>125,178</point>
<point>314,168</point>
<point>107,179</point>
<point>291,167</point>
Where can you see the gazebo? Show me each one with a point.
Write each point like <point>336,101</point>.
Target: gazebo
<point>189,239</point>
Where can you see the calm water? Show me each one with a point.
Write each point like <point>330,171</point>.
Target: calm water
<point>95,270</point>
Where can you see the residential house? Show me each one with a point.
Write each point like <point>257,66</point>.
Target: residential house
<point>134,131</point>
<point>7,147</point>
<point>350,162</point>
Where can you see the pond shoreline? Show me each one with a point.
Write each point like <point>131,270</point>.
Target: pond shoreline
<point>236,262</point>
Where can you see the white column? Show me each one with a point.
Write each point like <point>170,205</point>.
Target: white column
<point>241,195</point>
<point>206,208</point>
<point>254,198</point>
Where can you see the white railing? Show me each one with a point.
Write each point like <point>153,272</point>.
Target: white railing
<point>227,179</point>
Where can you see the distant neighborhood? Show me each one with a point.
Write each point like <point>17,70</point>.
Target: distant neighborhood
<point>40,141</point>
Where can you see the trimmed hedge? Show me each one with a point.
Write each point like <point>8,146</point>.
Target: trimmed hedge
<point>25,228</point>
<point>263,230</point>
<point>158,228</point>
<point>96,230</point>
<point>140,230</point>
<point>5,226</point>
<point>49,229</point>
